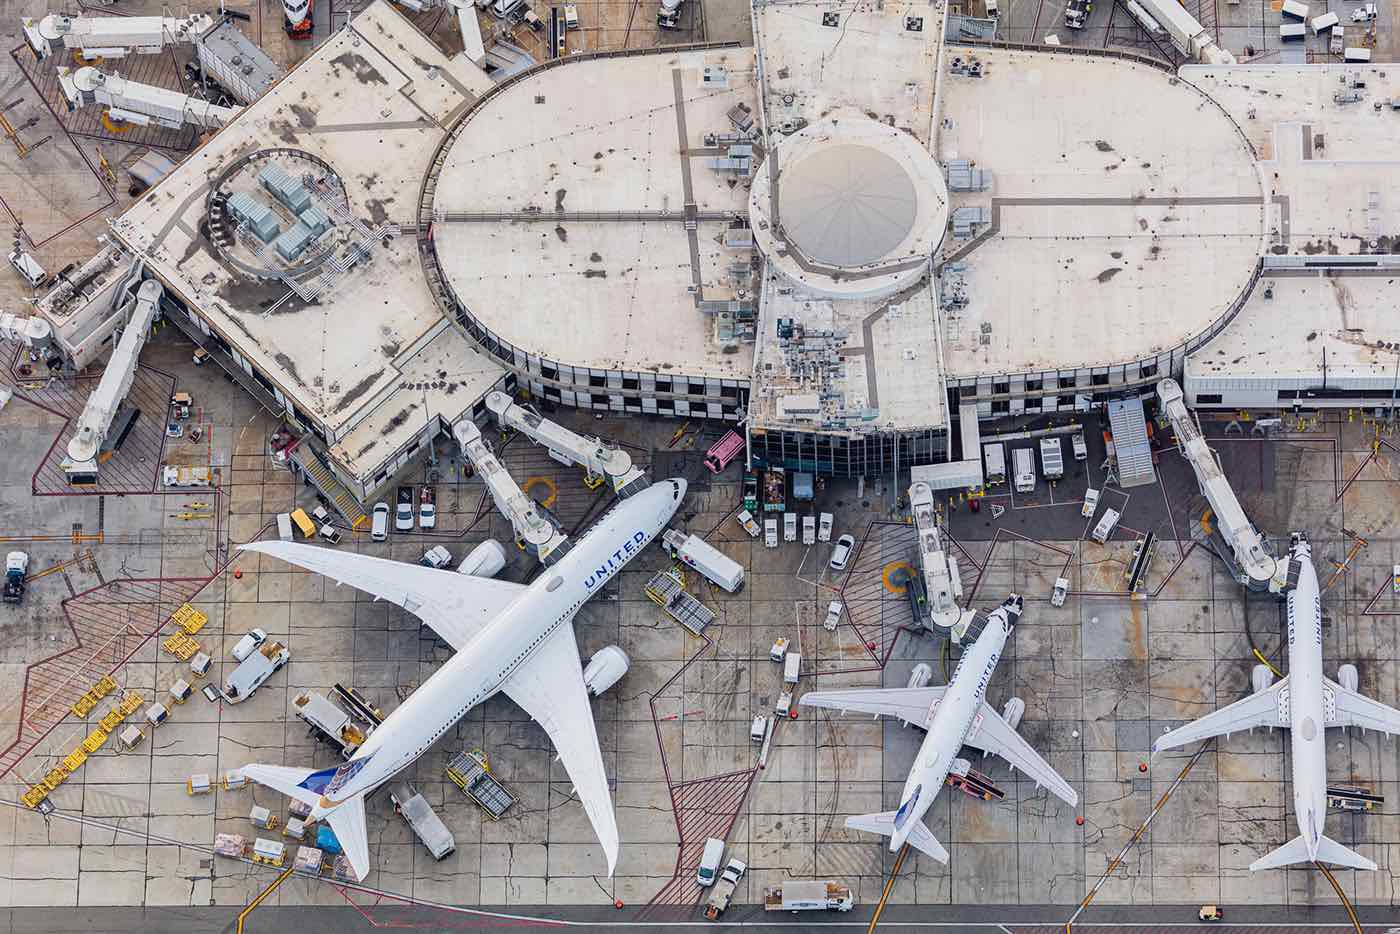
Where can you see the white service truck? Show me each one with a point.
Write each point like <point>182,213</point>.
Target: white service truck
<point>329,721</point>
<point>185,476</point>
<point>1106,525</point>
<point>723,892</point>
<point>1024,461</point>
<point>699,554</point>
<point>1052,458</point>
<point>426,825</point>
<point>808,896</point>
<point>254,670</point>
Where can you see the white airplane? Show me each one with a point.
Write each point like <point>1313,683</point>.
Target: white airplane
<point>1306,702</point>
<point>954,716</point>
<point>508,638</point>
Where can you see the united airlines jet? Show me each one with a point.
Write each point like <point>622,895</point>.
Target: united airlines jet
<point>508,638</point>
<point>955,716</point>
<point>1306,702</point>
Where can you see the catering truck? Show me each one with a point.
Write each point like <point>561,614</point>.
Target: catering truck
<point>16,566</point>
<point>330,722</point>
<point>705,558</point>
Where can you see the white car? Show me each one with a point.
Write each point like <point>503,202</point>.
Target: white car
<point>249,644</point>
<point>427,516</point>
<point>844,546</point>
<point>403,517</point>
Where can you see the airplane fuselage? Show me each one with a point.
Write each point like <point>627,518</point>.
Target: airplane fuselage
<point>1307,714</point>
<point>952,718</point>
<point>480,667</point>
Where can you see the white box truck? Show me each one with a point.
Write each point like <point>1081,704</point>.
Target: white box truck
<point>426,825</point>
<point>824,527</point>
<point>792,667</point>
<point>995,457</point>
<point>808,896</point>
<point>770,533</point>
<point>809,530</point>
<point>1024,462</point>
<point>697,553</point>
<point>1052,458</point>
<point>789,526</point>
<point>1106,525</point>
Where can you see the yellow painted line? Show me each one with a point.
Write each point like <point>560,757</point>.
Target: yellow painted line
<point>243,915</point>
<point>547,483</point>
<point>1346,902</point>
<point>889,887</point>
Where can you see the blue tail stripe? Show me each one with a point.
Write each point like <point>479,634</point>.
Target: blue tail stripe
<point>317,781</point>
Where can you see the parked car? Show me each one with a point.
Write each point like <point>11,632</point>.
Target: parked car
<point>839,557</point>
<point>249,644</point>
<point>379,530</point>
<point>427,508</point>
<point>403,514</point>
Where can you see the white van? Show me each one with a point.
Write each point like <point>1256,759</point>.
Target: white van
<point>709,862</point>
<point>504,8</point>
<point>284,526</point>
<point>379,529</point>
<point>1081,450</point>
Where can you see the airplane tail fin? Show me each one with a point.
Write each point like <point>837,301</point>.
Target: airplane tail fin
<point>347,819</point>
<point>883,823</point>
<point>1296,851</point>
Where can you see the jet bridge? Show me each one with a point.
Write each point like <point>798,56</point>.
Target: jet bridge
<point>97,416</point>
<point>533,531</point>
<point>111,37</point>
<point>602,461</point>
<point>137,103</point>
<point>940,568</point>
<point>1254,564</point>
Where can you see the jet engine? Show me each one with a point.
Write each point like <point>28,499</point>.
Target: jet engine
<point>1013,711</point>
<point>605,669</point>
<point>485,560</point>
<point>1261,678</point>
<point>920,676</point>
<point>1347,677</point>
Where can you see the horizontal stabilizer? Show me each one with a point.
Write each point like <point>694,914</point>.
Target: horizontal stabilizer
<point>1296,851</point>
<point>293,782</point>
<point>920,837</point>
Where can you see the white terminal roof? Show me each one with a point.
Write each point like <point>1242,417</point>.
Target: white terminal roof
<point>373,102</point>
<point>601,136</point>
<point>1282,340</point>
<point>1335,168</point>
<point>1125,214</point>
<point>864,78</point>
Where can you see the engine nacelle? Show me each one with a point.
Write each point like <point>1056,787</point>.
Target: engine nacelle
<point>920,676</point>
<point>1261,678</point>
<point>1348,677</point>
<point>1013,711</point>
<point>605,668</point>
<point>485,560</point>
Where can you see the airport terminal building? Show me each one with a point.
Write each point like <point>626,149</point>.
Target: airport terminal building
<point>844,249</point>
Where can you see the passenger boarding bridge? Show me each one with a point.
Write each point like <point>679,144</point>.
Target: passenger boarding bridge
<point>1253,562</point>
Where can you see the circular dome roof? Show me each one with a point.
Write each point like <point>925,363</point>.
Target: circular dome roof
<point>847,204</point>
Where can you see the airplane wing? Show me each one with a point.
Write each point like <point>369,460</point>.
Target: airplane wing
<point>549,686</point>
<point>990,733</point>
<point>1259,709</point>
<point>1355,709</point>
<point>908,704</point>
<point>456,605</point>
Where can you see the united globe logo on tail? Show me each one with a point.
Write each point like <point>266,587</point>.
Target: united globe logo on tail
<point>616,560</point>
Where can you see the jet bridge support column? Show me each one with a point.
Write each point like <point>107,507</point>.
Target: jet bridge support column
<point>941,577</point>
<point>533,531</point>
<point>97,416</point>
<point>1255,565</point>
<point>602,461</point>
